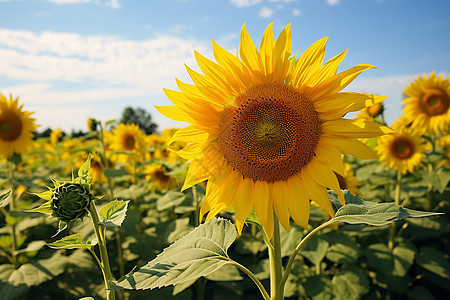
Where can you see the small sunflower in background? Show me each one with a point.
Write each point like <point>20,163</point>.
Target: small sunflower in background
<point>16,128</point>
<point>374,112</point>
<point>157,175</point>
<point>348,181</point>
<point>427,105</point>
<point>129,138</point>
<point>403,150</point>
<point>55,136</point>
<point>267,130</point>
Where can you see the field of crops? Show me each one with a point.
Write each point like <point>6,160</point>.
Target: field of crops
<point>240,210</point>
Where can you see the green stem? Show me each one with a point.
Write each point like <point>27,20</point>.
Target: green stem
<point>12,207</point>
<point>297,249</point>
<point>398,189</point>
<point>276,269</point>
<point>100,233</point>
<point>252,277</point>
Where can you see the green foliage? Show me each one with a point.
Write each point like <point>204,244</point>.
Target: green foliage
<point>199,253</point>
<point>113,213</point>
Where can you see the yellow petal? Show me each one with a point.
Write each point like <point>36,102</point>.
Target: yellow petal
<point>175,113</point>
<point>325,177</point>
<point>281,54</point>
<point>249,55</point>
<point>243,202</point>
<point>309,62</point>
<point>230,63</point>
<point>195,174</point>
<point>299,202</point>
<point>227,189</point>
<point>263,205</point>
<point>351,146</point>
<point>212,92</point>
<point>212,192</point>
<point>189,134</point>
<point>326,71</point>
<point>336,83</point>
<point>266,49</point>
<point>280,195</point>
<point>356,128</point>
<point>330,156</point>
<point>316,192</point>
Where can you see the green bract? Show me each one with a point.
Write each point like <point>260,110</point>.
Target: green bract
<point>70,201</point>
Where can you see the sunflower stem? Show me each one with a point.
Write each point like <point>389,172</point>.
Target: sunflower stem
<point>100,233</point>
<point>12,207</point>
<point>276,268</point>
<point>398,189</point>
<point>252,277</point>
<point>297,249</point>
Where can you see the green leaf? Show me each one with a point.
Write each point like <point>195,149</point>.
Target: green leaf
<point>343,249</point>
<point>319,287</point>
<point>45,208</point>
<point>4,198</point>
<point>433,261</point>
<point>358,211</point>
<point>290,240</point>
<point>47,195</point>
<point>33,274</point>
<point>73,241</point>
<point>113,173</point>
<point>380,257</point>
<point>437,179</point>
<point>84,169</point>
<point>33,246</point>
<point>403,259</point>
<point>350,284</point>
<point>199,253</point>
<point>315,249</point>
<point>170,199</point>
<point>114,213</point>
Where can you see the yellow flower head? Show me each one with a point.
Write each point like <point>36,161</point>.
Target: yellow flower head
<point>157,175</point>
<point>428,103</point>
<point>372,111</point>
<point>55,135</point>
<point>16,128</point>
<point>348,181</point>
<point>403,150</point>
<point>267,130</point>
<point>129,137</point>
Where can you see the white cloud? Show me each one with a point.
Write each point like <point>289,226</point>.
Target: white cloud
<point>148,64</point>
<point>296,12</point>
<point>332,2</point>
<point>62,70</point>
<point>114,4</point>
<point>69,1</point>
<point>245,3</point>
<point>390,86</point>
<point>265,12</point>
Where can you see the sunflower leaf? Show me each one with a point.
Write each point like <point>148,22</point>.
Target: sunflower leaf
<point>113,213</point>
<point>199,253</point>
<point>73,241</point>
<point>358,211</point>
<point>4,198</point>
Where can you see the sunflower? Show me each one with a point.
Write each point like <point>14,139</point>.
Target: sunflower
<point>157,174</point>
<point>55,136</point>
<point>403,150</point>
<point>428,103</point>
<point>266,128</point>
<point>16,128</point>
<point>130,138</point>
<point>348,181</point>
<point>373,111</point>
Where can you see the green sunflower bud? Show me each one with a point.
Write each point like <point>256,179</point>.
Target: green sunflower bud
<point>71,201</point>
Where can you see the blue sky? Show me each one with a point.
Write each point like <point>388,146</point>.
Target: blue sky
<point>68,60</point>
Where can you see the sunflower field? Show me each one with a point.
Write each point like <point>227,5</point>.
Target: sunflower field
<point>272,191</point>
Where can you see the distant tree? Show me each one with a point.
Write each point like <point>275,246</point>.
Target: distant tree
<point>140,117</point>
<point>44,133</point>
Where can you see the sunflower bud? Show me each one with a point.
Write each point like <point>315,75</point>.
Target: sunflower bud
<point>71,201</point>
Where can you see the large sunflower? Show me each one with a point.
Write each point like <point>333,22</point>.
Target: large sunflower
<point>428,103</point>
<point>16,128</point>
<point>130,138</point>
<point>403,150</point>
<point>266,128</point>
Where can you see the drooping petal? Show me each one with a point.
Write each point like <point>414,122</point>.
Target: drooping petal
<point>281,196</point>
<point>195,174</point>
<point>243,202</point>
<point>316,192</point>
<point>299,202</point>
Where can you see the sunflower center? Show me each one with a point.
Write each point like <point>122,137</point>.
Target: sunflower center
<point>374,110</point>
<point>402,148</point>
<point>161,176</point>
<point>434,102</point>
<point>269,133</point>
<point>129,142</point>
<point>10,127</point>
